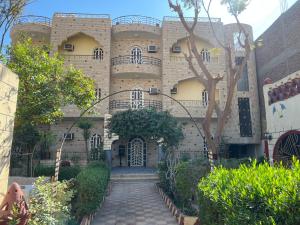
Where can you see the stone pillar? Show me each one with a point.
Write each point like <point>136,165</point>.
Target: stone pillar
<point>9,83</point>
<point>108,140</point>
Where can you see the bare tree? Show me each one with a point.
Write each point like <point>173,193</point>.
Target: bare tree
<point>10,10</point>
<point>208,79</point>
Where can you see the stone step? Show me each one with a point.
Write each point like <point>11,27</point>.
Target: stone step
<point>134,177</point>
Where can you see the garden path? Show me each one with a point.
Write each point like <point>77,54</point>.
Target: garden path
<point>134,203</point>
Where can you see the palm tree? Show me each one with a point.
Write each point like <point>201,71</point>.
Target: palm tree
<point>86,125</point>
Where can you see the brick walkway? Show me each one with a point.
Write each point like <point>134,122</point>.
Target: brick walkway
<point>134,203</point>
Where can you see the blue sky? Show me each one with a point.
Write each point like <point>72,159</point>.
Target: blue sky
<point>260,13</point>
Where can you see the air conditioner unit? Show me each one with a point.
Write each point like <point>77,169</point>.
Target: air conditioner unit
<point>174,91</point>
<point>176,49</point>
<point>153,91</point>
<point>69,47</point>
<point>69,136</point>
<point>152,48</point>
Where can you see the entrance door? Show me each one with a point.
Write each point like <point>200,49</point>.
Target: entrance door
<point>136,148</point>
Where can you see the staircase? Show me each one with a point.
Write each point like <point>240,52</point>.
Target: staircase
<point>133,174</point>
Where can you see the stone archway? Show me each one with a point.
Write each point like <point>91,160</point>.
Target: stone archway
<point>287,146</point>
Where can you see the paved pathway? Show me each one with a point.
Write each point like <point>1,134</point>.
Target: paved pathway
<point>134,203</point>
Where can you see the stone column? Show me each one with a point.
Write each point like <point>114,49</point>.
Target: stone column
<point>108,140</point>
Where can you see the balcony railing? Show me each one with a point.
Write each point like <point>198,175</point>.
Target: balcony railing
<point>82,15</point>
<point>191,19</point>
<point>135,104</point>
<point>128,59</point>
<point>136,19</point>
<point>81,57</point>
<point>33,19</point>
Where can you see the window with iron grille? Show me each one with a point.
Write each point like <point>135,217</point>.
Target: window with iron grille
<point>98,93</point>
<point>205,55</point>
<point>205,98</point>
<point>245,117</point>
<point>98,53</point>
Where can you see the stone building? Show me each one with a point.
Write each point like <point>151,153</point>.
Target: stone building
<point>140,53</point>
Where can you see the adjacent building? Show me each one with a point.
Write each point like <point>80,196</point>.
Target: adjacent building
<point>139,53</point>
<point>278,70</point>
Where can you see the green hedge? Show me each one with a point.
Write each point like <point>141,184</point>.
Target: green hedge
<point>255,194</point>
<point>91,184</point>
<point>65,173</point>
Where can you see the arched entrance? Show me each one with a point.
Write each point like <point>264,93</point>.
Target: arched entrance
<point>287,146</point>
<point>137,152</point>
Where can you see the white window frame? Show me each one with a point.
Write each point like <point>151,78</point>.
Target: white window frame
<point>136,55</point>
<point>205,53</point>
<point>98,53</point>
<point>98,93</point>
<point>205,98</point>
<point>95,141</point>
<point>137,98</point>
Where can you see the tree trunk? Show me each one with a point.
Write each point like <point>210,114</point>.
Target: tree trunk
<point>87,151</point>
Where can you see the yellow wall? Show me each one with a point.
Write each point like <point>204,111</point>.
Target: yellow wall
<point>191,89</point>
<point>83,45</point>
<point>200,44</point>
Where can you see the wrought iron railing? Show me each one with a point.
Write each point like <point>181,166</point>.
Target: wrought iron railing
<point>136,19</point>
<point>33,19</point>
<point>128,59</point>
<point>82,15</point>
<point>80,57</point>
<point>191,19</point>
<point>135,104</point>
<point>193,103</point>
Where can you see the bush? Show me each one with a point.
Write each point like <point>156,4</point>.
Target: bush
<point>91,184</point>
<point>255,194</point>
<point>45,207</point>
<point>65,173</point>
<point>187,176</point>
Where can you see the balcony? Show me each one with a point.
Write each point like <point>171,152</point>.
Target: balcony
<point>38,27</point>
<point>128,66</point>
<point>80,59</point>
<point>197,108</point>
<point>119,105</point>
<point>136,26</point>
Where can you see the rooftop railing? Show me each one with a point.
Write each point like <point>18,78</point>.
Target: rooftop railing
<point>82,15</point>
<point>191,19</point>
<point>136,19</point>
<point>128,59</point>
<point>33,19</point>
<point>135,104</point>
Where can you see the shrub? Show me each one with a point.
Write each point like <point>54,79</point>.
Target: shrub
<point>187,176</point>
<point>47,208</point>
<point>65,173</point>
<point>255,194</point>
<point>91,184</point>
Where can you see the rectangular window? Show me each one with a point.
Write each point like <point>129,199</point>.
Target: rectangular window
<point>243,82</point>
<point>98,93</point>
<point>236,37</point>
<point>245,117</point>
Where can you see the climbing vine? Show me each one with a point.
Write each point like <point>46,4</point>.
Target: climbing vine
<point>148,124</point>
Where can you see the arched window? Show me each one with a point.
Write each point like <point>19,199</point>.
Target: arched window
<point>205,55</point>
<point>136,55</point>
<point>205,148</point>
<point>137,98</point>
<point>95,141</point>
<point>205,98</point>
<point>98,53</point>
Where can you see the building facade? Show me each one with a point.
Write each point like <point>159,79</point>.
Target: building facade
<point>139,53</point>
